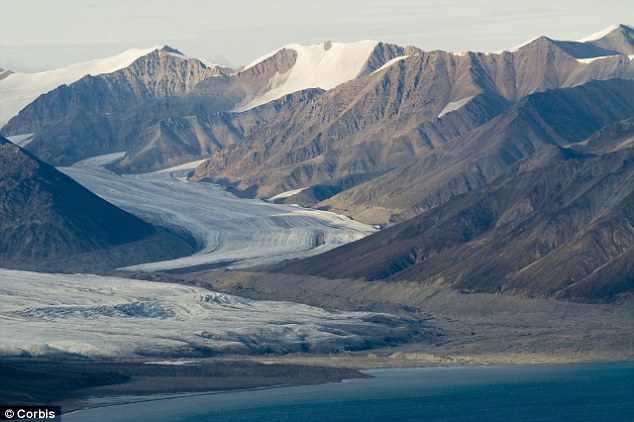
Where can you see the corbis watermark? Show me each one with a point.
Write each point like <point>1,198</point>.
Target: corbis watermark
<point>30,413</point>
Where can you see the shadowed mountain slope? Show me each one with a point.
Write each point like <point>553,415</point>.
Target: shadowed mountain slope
<point>557,224</point>
<point>50,222</point>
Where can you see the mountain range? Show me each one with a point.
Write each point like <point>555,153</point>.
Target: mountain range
<point>556,224</point>
<point>520,160</point>
<point>364,135</point>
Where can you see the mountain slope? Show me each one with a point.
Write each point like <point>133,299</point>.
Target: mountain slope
<point>20,89</point>
<point>555,117</point>
<point>558,224</point>
<point>416,108</point>
<point>359,128</point>
<point>98,114</point>
<point>135,109</point>
<point>617,38</point>
<point>46,218</point>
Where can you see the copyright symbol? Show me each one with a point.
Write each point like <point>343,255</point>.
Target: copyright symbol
<point>9,414</point>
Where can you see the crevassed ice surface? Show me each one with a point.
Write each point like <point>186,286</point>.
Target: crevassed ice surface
<point>236,232</point>
<point>95,315</point>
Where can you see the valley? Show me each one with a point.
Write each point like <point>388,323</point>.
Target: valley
<point>234,232</point>
<point>325,208</point>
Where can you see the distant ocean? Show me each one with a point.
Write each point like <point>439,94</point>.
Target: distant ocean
<point>575,392</point>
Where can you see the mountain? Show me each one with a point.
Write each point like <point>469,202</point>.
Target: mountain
<point>20,89</point>
<point>355,131</point>
<point>554,117</point>
<point>163,108</point>
<point>102,113</point>
<point>50,222</point>
<point>556,224</point>
<point>324,66</point>
<point>615,39</point>
<point>151,108</point>
<point>336,125</point>
<point>416,108</point>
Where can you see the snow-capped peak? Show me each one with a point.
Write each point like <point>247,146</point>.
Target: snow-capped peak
<point>99,66</point>
<point>17,90</point>
<point>324,65</point>
<point>602,33</point>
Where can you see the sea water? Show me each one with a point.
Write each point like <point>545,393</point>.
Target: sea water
<point>575,392</point>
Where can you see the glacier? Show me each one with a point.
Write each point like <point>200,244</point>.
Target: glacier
<point>109,317</point>
<point>98,316</point>
<point>234,232</point>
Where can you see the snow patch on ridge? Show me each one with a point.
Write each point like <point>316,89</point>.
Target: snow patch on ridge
<point>286,194</point>
<point>593,59</point>
<point>19,89</point>
<point>317,66</point>
<point>390,63</point>
<point>454,105</point>
<point>600,34</point>
<point>21,140</point>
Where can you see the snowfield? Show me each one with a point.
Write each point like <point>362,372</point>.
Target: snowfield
<point>235,232</point>
<point>100,316</point>
<point>323,66</point>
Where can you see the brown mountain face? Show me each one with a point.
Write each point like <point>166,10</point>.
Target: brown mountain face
<point>555,117</point>
<point>556,224</point>
<point>50,222</point>
<point>106,113</point>
<point>359,129</point>
<point>412,116</point>
<point>164,109</point>
<point>614,137</point>
<point>183,137</point>
<point>160,74</point>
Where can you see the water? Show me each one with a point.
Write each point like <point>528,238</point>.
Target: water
<point>578,392</point>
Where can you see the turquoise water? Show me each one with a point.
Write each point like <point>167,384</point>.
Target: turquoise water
<point>579,392</point>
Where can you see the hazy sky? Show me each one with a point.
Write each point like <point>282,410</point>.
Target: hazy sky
<point>38,34</point>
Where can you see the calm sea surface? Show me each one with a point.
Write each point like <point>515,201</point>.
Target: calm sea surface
<point>578,392</point>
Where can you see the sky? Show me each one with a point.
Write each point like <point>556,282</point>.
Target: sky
<point>44,34</point>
